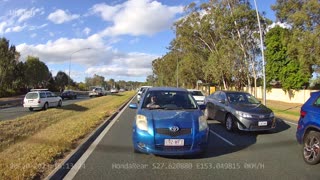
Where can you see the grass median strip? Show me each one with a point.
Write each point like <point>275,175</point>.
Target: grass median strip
<point>37,141</point>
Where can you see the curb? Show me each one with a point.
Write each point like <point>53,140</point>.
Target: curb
<point>64,167</point>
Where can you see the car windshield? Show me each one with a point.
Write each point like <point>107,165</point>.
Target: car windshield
<point>32,96</point>
<point>243,98</point>
<point>169,100</point>
<point>196,93</point>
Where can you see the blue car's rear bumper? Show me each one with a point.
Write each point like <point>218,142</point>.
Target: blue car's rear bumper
<point>145,142</point>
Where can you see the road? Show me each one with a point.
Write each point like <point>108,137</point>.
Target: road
<point>244,155</point>
<point>19,111</point>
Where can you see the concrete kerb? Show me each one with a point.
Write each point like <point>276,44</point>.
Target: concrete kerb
<point>64,167</point>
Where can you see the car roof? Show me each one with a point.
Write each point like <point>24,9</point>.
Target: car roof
<point>226,91</point>
<point>193,90</point>
<point>166,89</point>
<point>315,93</point>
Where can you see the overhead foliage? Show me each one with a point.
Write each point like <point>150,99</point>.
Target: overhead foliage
<point>218,42</point>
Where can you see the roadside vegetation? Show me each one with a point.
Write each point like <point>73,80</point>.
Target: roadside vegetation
<point>218,43</point>
<point>31,146</point>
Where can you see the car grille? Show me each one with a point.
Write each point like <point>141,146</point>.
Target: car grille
<point>255,116</point>
<point>166,131</point>
<point>173,148</point>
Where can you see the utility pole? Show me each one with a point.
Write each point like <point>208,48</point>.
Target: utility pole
<point>262,54</point>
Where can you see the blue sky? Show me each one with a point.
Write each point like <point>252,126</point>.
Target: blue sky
<point>113,38</point>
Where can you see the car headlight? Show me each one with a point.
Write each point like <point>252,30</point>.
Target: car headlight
<point>243,114</point>
<point>202,123</point>
<point>271,114</point>
<point>141,122</point>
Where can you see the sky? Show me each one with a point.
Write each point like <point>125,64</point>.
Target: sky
<point>115,39</point>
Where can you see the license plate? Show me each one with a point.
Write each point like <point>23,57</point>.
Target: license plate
<point>262,123</point>
<point>174,142</point>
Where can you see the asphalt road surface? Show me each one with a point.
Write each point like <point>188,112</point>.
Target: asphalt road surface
<point>244,155</point>
<point>19,111</point>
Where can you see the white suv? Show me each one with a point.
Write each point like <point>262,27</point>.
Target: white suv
<point>97,91</point>
<point>41,99</point>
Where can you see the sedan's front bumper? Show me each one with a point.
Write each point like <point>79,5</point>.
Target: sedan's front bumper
<point>246,124</point>
<point>144,142</point>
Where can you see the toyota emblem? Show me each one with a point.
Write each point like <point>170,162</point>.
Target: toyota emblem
<point>174,128</point>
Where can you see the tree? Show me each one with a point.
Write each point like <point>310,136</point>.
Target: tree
<point>8,67</point>
<point>62,80</point>
<point>303,47</point>
<point>36,72</point>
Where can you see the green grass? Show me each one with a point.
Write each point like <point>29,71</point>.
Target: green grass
<point>30,146</point>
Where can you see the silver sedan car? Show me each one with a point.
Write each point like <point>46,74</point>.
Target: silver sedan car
<point>239,111</point>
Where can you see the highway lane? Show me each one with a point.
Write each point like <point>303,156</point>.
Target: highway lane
<point>19,111</point>
<point>244,155</point>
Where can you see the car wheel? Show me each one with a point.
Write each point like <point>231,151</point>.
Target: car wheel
<point>229,123</point>
<point>311,148</point>
<point>45,106</point>
<point>75,97</point>
<point>60,103</point>
<point>30,109</point>
<point>206,113</point>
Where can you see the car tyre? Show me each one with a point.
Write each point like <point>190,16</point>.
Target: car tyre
<point>230,123</point>
<point>311,148</point>
<point>60,103</point>
<point>206,113</point>
<point>30,109</point>
<point>45,106</point>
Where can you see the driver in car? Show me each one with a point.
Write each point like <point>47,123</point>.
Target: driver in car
<point>153,103</point>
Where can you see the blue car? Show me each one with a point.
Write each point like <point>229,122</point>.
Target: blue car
<point>308,130</point>
<point>169,122</point>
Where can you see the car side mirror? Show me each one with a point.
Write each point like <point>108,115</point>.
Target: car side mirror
<point>133,106</point>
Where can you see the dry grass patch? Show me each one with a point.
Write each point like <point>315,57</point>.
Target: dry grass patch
<point>48,135</point>
<point>289,111</point>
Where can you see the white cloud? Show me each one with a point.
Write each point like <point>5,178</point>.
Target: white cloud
<point>86,31</point>
<point>12,22</point>
<point>15,29</point>
<point>25,14</point>
<point>274,24</point>
<point>2,26</point>
<point>137,17</point>
<point>100,59</point>
<point>61,16</point>
<point>105,11</point>
<point>51,34</point>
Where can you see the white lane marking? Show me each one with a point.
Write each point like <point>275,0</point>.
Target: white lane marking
<point>73,172</point>
<point>224,139</point>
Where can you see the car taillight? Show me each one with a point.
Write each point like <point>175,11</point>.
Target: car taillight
<point>303,113</point>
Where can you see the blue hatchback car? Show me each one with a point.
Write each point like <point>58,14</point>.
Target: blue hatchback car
<point>169,122</point>
<point>308,131</point>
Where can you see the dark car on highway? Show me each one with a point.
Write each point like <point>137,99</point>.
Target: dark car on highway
<point>239,111</point>
<point>69,94</point>
<point>308,130</point>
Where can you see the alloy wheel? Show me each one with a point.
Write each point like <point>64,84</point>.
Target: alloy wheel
<point>311,148</point>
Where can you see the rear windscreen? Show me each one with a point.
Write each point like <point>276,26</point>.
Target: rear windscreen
<point>32,96</point>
